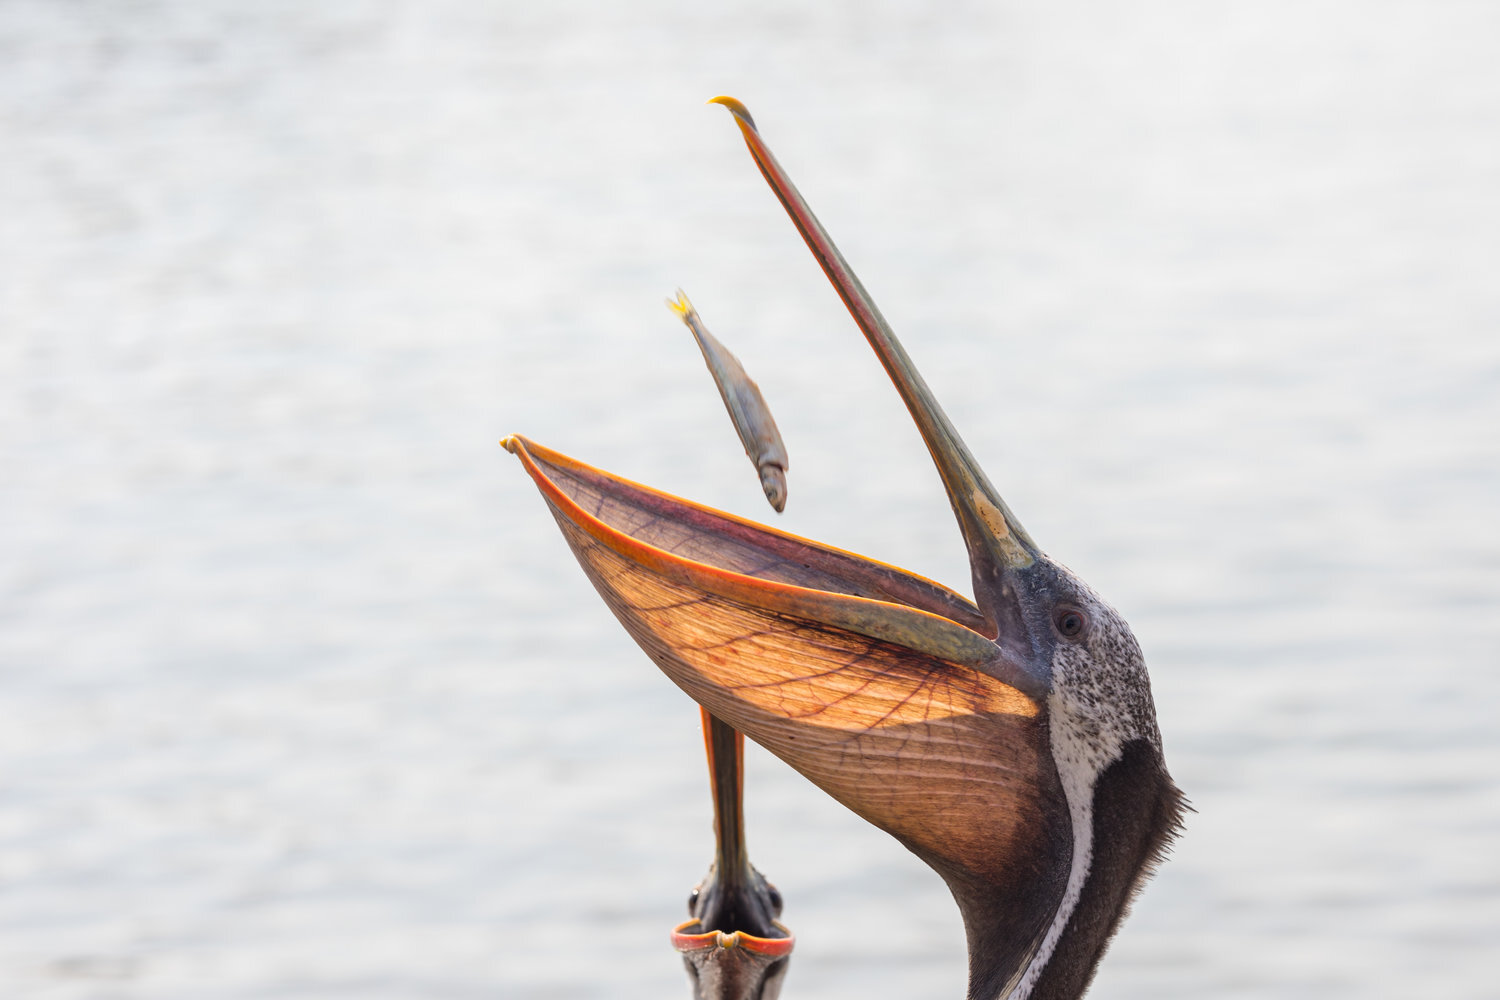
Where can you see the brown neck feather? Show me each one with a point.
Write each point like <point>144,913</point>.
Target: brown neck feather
<point>1137,812</point>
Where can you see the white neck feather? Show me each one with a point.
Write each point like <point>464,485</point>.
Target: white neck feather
<point>1082,749</point>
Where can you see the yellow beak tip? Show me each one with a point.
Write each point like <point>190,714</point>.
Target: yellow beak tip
<point>736,107</point>
<point>510,443</point>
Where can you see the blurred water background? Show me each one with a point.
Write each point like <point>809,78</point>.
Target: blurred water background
<point>301,694</point>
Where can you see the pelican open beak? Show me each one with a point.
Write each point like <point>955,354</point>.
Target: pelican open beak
<point>920,711</point>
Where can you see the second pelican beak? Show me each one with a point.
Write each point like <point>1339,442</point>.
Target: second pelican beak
<point>734,947</point>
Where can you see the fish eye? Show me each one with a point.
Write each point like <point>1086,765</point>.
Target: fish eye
<point>1070,622</point>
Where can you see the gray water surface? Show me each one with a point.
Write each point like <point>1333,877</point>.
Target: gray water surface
<point>301,694</point>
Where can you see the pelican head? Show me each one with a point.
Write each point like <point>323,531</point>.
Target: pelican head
<point>1010,742</point>
<point>734,948</point>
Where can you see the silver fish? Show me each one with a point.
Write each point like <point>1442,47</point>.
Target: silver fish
<point>747,407</point>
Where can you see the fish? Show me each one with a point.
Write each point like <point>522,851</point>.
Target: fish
<point>747,407</point>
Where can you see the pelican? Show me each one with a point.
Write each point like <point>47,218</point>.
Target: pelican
<point>734,947</point>
<point>1010,741</point>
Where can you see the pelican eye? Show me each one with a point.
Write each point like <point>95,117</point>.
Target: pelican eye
<point>1070,622</point>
